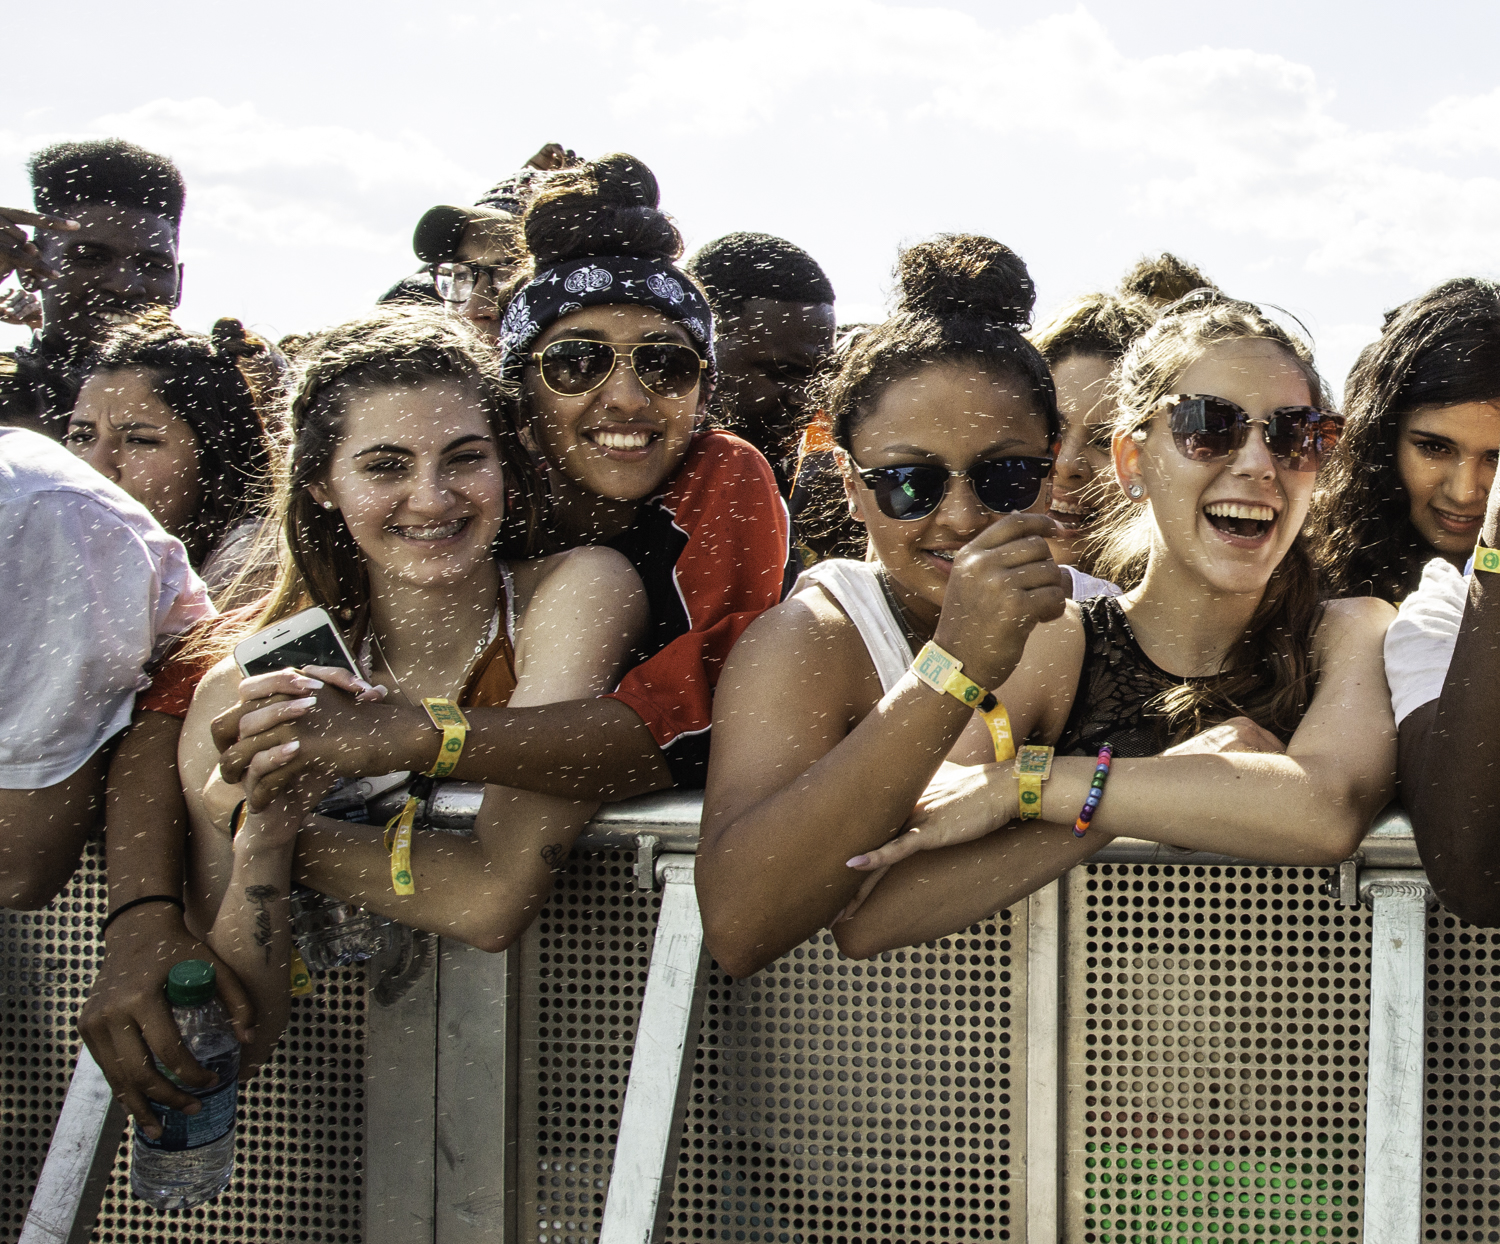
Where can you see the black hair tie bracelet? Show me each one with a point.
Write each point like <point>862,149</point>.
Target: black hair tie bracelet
<point>137,902</point>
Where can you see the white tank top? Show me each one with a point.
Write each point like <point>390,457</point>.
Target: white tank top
<point>856,587</point>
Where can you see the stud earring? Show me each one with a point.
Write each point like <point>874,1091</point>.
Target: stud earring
<point>327,505</point>
<point>1135,491</point>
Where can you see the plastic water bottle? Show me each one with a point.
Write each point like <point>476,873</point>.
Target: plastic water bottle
<point>193,1159</point>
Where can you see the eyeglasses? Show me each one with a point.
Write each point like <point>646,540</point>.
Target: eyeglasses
<point>912,492</point>
<point>455,281</point>
<point>1210,429</point>
<point>572,368</point>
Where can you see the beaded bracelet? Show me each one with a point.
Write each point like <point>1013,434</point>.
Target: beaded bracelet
<point>1096,791</point>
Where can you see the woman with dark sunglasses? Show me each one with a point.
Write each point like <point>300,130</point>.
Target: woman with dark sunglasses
<point>608,355</point>
<point>945,421</point>
<point>1244,714</point>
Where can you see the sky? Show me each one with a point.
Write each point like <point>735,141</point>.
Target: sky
<point>1330,159</point>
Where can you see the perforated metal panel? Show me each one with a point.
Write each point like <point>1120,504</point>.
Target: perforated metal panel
<point>301,1121</point>
<point>300,1143</point>
<point>835,1100</point>
<point>1215,1034</point>
<point>48,959</point>
<point>1461,1189</point>
<point>583,965</point>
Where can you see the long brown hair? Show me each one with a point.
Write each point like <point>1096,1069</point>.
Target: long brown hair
<point>395,346</point>
<point>1267,674</point>
<point>1440,349</point>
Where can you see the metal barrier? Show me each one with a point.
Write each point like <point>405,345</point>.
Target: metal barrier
<point>1162,1045</point>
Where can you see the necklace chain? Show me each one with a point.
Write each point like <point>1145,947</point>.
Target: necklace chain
<point>484,642</point>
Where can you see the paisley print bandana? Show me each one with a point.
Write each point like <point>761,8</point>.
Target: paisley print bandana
<point>603,280</point>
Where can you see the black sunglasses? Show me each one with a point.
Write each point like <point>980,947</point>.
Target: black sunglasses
<point>1210,429</point>
<point>1001,484</point>
<point>571,368</point>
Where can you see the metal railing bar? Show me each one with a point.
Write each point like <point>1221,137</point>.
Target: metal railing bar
<point>1043,1081</point>
<point>651,1116</point>
<point>1395,1088</point>
<point>80,1159</point>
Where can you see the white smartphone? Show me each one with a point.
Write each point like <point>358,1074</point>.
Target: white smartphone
<point>306,638</point>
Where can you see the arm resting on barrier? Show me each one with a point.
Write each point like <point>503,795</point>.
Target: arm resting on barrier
<point>1310,805</point>
<point>592,748</point>
<point>1450,781</point>
<point>811,765</point>
<point>577,631</point>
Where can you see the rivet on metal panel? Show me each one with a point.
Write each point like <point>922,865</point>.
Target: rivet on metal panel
<point>646,847</point>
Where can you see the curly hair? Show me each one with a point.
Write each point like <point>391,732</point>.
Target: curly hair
<point>1440,349</point>
<point>1268,674</point>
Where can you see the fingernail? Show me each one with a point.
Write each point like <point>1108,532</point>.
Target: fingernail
<point>305,702</point>
<point>308,684</point>
<point>289,749</point>
<point>859,861</point>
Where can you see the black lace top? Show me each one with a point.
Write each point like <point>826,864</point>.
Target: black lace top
<point>1116,683</point>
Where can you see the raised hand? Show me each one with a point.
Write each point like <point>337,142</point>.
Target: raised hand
<point>1004,582</point>
<point>17,251</point>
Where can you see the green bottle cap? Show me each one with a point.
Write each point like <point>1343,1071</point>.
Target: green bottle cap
<point>191,982</point>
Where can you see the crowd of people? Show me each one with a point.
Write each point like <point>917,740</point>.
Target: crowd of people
<point>929,608</point>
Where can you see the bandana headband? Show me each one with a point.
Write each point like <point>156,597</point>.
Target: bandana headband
<point>604,280</point>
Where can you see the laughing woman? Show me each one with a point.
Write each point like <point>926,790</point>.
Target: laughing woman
<point>1244,715</point>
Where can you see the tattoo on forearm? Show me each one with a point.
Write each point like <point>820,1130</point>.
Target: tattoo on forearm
<point>555,855</point>
<point>261,896</point>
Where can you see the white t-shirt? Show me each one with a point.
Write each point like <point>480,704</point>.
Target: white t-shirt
<point>90,584</point>
<point>1420,642</point>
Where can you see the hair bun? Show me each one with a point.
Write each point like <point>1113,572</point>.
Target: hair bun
<point>1163,280</point>
<point>608,206</point>
<point>963,274</point>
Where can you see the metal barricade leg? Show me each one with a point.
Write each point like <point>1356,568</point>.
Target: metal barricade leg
<point>1398,986</point>
<point>79,1160</point>
<point>665,1043</point>
<point>1043,1030</point>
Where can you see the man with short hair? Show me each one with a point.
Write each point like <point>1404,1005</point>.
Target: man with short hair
<point>774,323</point>
<point>113,256</point>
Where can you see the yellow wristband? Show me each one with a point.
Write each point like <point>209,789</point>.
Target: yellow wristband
<point>398,843</point>
<point>943,672</point>
<point>1486,559</point>
<point>1033,767</point>
<point>449,718</point>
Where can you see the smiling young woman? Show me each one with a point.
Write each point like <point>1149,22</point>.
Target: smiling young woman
<point>1412,474</point>
<point>1244,714</point>
<point>404,479</point>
